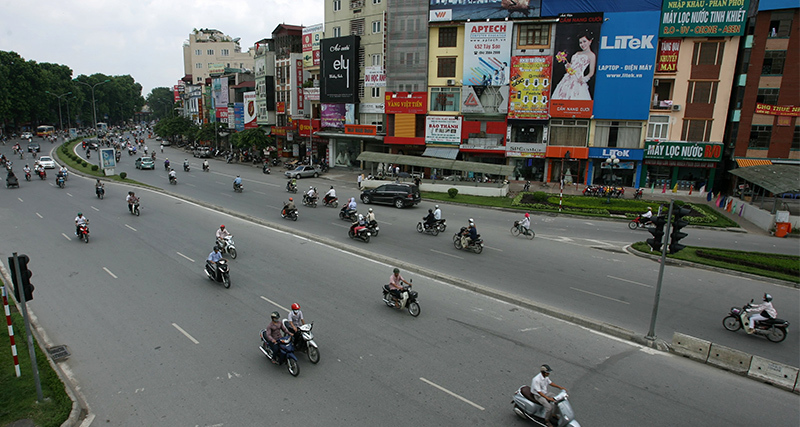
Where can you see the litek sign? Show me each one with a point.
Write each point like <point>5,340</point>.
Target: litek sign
<point>694,151</point>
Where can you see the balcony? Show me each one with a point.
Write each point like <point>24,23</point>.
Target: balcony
<point>356,4</point>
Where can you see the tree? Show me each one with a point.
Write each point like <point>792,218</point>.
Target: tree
<point>176,126</point>
<point>253,139</point>
<point>161,102</point>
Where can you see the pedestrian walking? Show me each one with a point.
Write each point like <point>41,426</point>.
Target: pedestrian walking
<point>360,179</point>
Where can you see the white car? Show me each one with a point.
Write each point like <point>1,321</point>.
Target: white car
<point>26,135</point>
<point>47,162</point>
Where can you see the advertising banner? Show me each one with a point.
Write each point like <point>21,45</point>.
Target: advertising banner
<point>526,149</point>
<point>487,52</point>
<point>530,87</point>
<point>306,127</point>
<point>620,153</point>
<point>443,130</point>
<point>461,10</point>
<point>694,151</point>
<point>238,116</point>
<point>667,61</point>
<point>250,110</point>
<point>625,66</point>
<point>360,129</point>
<point>710,18</point>
<point>107,159</point>
<point>371,107</point>
<point>311,38</point>
<point>374,76</point>
<point>339,70</point>
<point>332,115</point>
<point>176,95</point>
<point>298,103</point>
<point>406,102</point>
<point>778,110</point>
<point>575,60</point>
<point>484,100</point>
<point>312,93</point>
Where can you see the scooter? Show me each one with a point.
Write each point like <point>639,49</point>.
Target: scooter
<point>266,169</point>
<point>238,188</point>
<point>474,246</point>
<point>637,195</point>
<point>640,222</point>
<point>359,232</point>
<point>408,300</point>
<point>348,215</point>
<point>166,165</point>
<point>100,192</point>
<point>186,167</point>
<point>285,354</point>
<point>292,214</point>
<point>305,341</point>
<point>221,275</point>
<point>309,201</point>
<point>60,181</point>
<point>528,408</point>
<point>173,180</point>
<point>205,167</point>
<point>332,203</point>
<point>27,176</point>
<point>42,174</point>
<point>83,232</point>
<point>773,329</point>
<point>134,210</point>
<point>372,227</point>
<point>441,224</point>
<point>291,188</point>
<point>226,245</point>
<point>423,228</point>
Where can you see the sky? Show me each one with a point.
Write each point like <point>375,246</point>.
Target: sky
<point>142,38</point>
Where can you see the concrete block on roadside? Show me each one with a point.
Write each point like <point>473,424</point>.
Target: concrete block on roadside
<point>777,374</point>
<point>729,359</point>
<point>691,347</point>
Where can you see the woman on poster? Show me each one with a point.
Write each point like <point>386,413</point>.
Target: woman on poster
<point>574,85</point>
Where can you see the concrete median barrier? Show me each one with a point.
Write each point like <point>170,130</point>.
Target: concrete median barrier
<point>729,359</point>
<point>691,347</point>
<point>777,374</point>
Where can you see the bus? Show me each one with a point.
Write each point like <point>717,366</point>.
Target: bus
<point>45,130</point>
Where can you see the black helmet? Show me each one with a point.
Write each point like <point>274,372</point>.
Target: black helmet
<point>767,297</point>
<point>546,368</point>
<point>430,210</point>
<point>275,315</point>
<point>396,270</point>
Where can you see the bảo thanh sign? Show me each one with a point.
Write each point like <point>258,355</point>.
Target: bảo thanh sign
<point>703,18</point>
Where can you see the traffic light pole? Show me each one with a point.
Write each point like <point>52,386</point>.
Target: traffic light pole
<point>31,349</point>
<point>651,335</point>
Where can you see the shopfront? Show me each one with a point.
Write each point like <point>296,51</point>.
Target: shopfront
<point>527,159</point>
<point>625,173</point>
<point>568,162</point>
<point>685,164</point>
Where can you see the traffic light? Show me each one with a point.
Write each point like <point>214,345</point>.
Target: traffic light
<point>657,232</point>
<point>677,224</point>
<point>23,282</point>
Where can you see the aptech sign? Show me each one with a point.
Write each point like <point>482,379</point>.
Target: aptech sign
<point>693,151</point>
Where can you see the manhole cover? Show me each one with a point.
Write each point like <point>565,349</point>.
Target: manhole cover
<point>58,353</point>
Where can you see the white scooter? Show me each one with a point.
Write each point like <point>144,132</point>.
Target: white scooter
<point>528,408</point>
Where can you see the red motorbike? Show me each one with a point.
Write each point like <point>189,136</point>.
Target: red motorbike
<point>641,222</point>
<point>83,232</point>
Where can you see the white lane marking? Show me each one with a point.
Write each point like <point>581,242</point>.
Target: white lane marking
<point>528,329</point>
<point>220,183</point>
<point>452,394</point>
<point>184,256</point>
<point>109,272</point>
<point>226,194</point>
<point>258,192</point>
<point>185,333</point>
<point>98,210</point>
<point>489,247</point>
<point>600,242</point>
<point>19,199</point>
<point>270,184</point>
<point>445,253</point>
<point>274,303</point>
<point>37,214</point>
<point>340,225</point>
<point>70,195</point>
<point>630,281</point>
<point>273,207</point>
<point>598,295</point>
<point>386,223</point>
<point>65,236</point>
<point>191,185</point>
<point>130,227</point>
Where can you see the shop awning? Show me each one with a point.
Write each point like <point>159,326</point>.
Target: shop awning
<point>743,163</point>
<point>776,179</point>
<point>340,135</point>
<point>440,152</point>
<point>438,163</point>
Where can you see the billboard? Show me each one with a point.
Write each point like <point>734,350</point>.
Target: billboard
<point>625,66</point>
<point>667,61</point>
<point>575,60</point>
<point>487,52</point>
<point>462,10</point>
<point>238,116</point>
<point>443,130</point>
<point>484,100</point>
<point>406,102</point>
<point>557,7</point>
<point>332,115</point>
<point>339,70</point>
<point>311,42</point>
<point>374,76</point>
<point>714,18</point>
<point>530,87</point>
<point>250,110</point>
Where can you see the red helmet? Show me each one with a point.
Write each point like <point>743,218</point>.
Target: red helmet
<point>222,226</point>
<point>290,199</point>
<point>295,306</point>
<point>527,215</point>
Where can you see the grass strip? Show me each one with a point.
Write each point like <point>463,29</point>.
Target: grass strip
<point>66,149</point>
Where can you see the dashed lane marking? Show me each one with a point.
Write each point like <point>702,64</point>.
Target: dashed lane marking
<point>184,256</point>
<point>601,296</point>
<point>185,333</point>
<point>445,253</point>
<point>65,236</point>
<point>630,281</point>
<point>37,214</point>
<point>463,399</point>
<point>20,199</point>
<point>109,272</point>
<point>274,303</point>
<point>98,210</point>
<point>131,227</point>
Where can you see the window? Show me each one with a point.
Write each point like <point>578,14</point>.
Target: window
<point>356,4</point>
<point>199,79</point>
<point>571,133</point>
<point>780,24</point>
<point>337,31</point>
<point>445,98</point>
<point>533,35</point>
<point>198,65</point>
<point>767,96</point>
<point>707,53</point>
<point>376,92</point>
<point>530,133</point>
<point>773,62</point>
<point>662,94</point>
<point>210,52</point>
<point>616,134</point>
<point>337,5</point>
<point>224,52</point>
<point>198,52</point>
<point>357,27</point>
<point>376,1</point>
<point>696,130</point>
<point>759,136</point>
<point>796,138</point>
<point>702,92</point>
<point>376,27</point>
<point>448,37</point>
<point>657,127</point>
<point>376,59</point>
<point>446,67</point>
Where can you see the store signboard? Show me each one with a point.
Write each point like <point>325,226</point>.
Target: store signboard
<point>406,102</point>
<point>333,115</point>
<point>573,94</point>
<point>703,18</point>
<point>463,10</point>
<point>530,87</point>
<point>311,42</point>
<point>526,149</point>
<point>443,130</point>
<point>487,52</point>
<point>667,61</point>
<point>693,151</point>
<point>250,110</point>
<point>339,69</point>
<point>620,153</point>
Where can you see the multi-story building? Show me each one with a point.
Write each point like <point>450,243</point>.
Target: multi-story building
<point>289,102</point>
<point>209,51</point>
<point>264,71</point>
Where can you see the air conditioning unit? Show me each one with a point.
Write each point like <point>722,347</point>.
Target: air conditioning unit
<point>676,107</point>
<point>451,82</point>
<point>655,83</point>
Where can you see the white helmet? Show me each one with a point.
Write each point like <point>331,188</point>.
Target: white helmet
<point>360,217</point>
<point>370,209</point>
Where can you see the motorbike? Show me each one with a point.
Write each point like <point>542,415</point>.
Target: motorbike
<point>309,201</point>
<point>475,246</point>
<point>640,222</point>
<point>100,192</point>
<point>359,232</point>
<point>637,195</point>
<point>27,176</point>
<point>166,165</point>
<point>134,210</point>
<point>526,407</point>
<point>205,167</point>
<point>83,232</point>
<point>292,214</point>
<point>291,188</point>
<point>441,224</point>
<point>42,174</point>
<point>286,352</point>
<point>276,162</point>
<point>424,228</point>
<point>117,156</point>
<point>373,228</point>
<point>409,300</point>
<point>332,203</point>
<point>348,215</point>
<point>173,180</point>
<point>222,273</point>
<point>266,169</point>
<point>238,187</point>
<point>226,245</point>
<point>186,167</point>
<point>518,229</point>
<point>305,341</point>
<point>773,329</point>
<point>60,181</point>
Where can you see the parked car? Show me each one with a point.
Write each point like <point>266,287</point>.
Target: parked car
<point>303,172</point>
<point>158,138</point>
<point>397,194</point>
<point>33,147</point>
<point>145,163</point>
<point>47,162</point>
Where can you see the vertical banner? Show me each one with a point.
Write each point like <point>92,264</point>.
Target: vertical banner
<point>487,52</point>
<point>311,37</point>
<point>238,116</point>
<point>339,70</point>
<point>668,55</point>
<point>299,104</point>
<point>574,65</point>
<point>530,87</point>
<point>250,110</point>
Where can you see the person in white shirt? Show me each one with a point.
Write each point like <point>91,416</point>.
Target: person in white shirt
<point>437,213</point>
<point>647,217</point>
<point>221,234</point>
<point>763,311</point>
<point>525,223</point>
<point>540,392</point>
<point>330,195</point>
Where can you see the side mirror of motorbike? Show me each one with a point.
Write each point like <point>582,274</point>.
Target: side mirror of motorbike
<point>751,300</point>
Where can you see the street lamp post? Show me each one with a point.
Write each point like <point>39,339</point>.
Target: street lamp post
<point>611,162</point>
<point>60,121</point>
<point>94,107</point>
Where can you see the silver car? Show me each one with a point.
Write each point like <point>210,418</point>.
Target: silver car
<point>303,172</point>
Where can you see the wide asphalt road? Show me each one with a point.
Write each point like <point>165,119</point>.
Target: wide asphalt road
<point>154,342</point>
<point>576,264</point>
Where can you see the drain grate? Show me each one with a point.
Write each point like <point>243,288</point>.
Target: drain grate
<point>58,353</point>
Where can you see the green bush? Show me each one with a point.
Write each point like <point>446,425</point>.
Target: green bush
<point>540,196</point>
<point>95,168</point>
<point>122,175</point>
<point>83,163</point>
<point>452,192</point>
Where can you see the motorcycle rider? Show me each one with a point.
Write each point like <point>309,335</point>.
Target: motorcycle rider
<point>172,174</point>
<point>291,184</point>
<point>289,207</point>
<point>350,207</point>
<point>27,170</point>
<point>470,235</point>
<point>359,225</point>
<point>763,311</point>
<point>395,287</point>
<point>64,172</point>
<point>237,182</point>
<point>99,187</point>
<point>296,320</point>
<point>646,217</point>
<point>437,213</point>
<point>525,223</point>
<point>311,194</point>
<point>185,164</point>
<point>275,331</point>
<point>166,163</point>
<point>205,165</point>
<point>330,195</point>
<point>430,219</point>
<point>212,259</point>
<point>80,220</point>
<point>132,200</point>
<point>541,394</point>
<point>371,218</point>
<point>221,234</point>
<point>60,174</point>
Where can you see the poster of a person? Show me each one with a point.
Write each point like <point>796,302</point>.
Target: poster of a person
<point>579,70</point>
